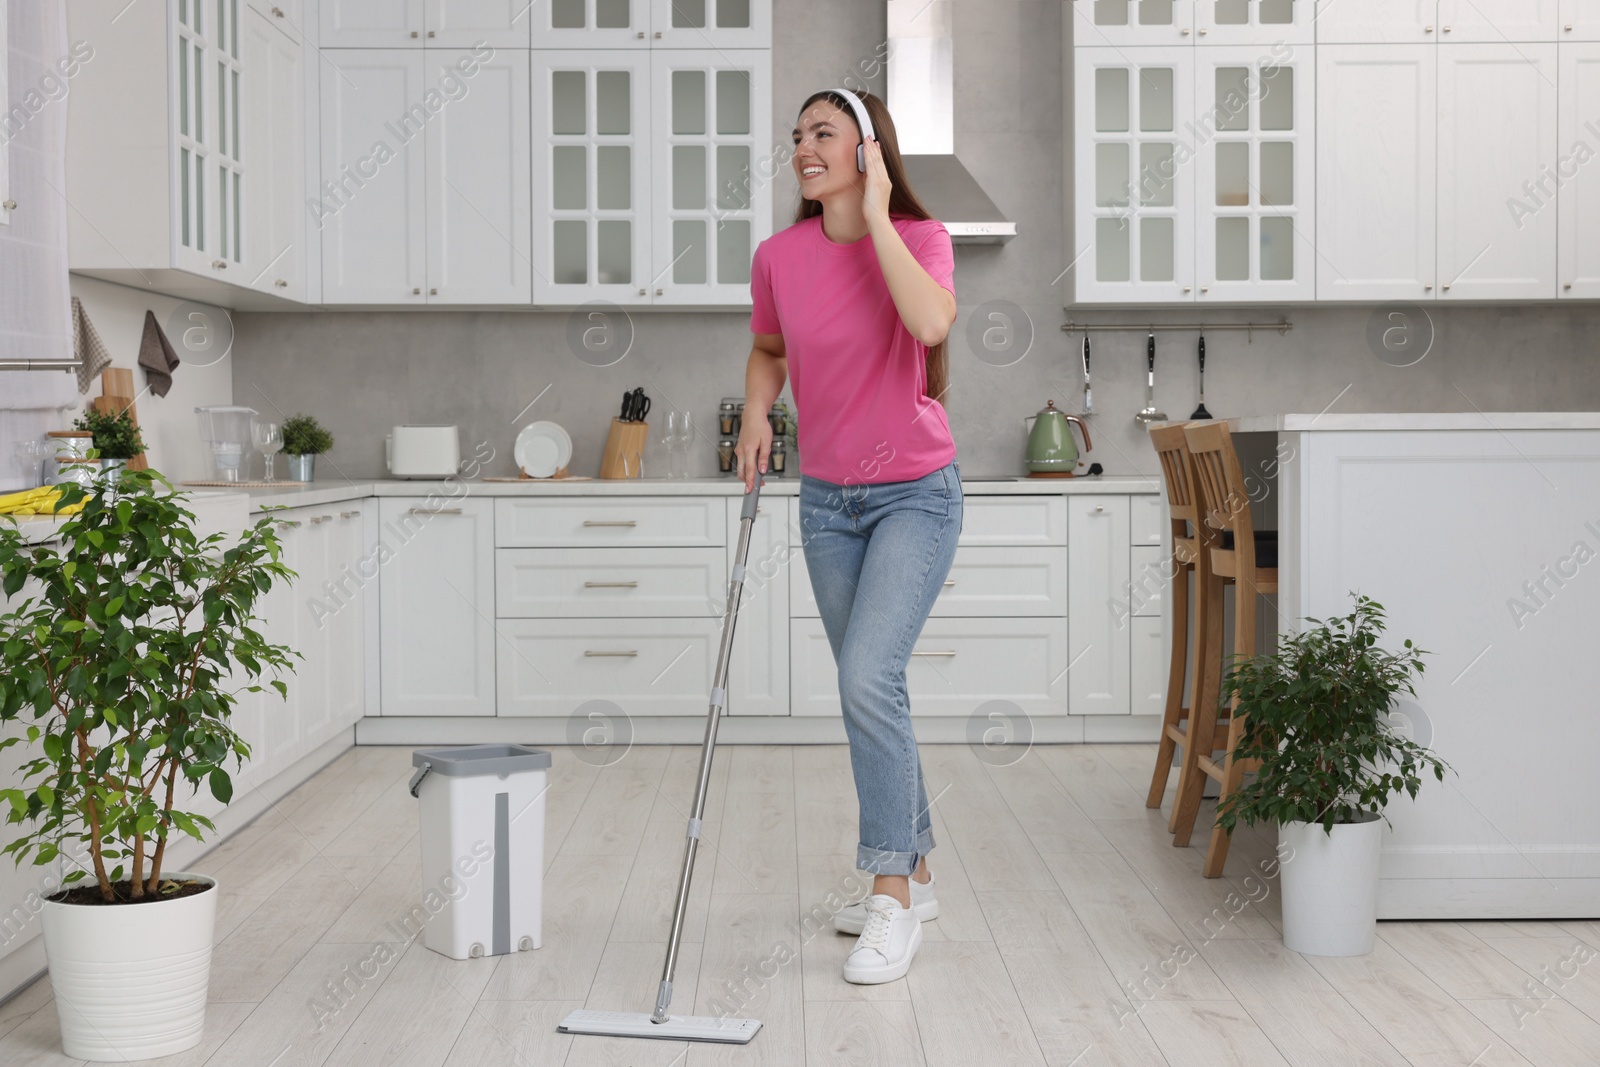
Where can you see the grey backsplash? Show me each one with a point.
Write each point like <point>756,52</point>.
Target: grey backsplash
<point>361,373</point>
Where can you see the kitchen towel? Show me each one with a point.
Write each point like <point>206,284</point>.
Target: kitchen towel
<point>87,348</point>
<point>156,355</point>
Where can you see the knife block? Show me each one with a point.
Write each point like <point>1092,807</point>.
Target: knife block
<point>624,452</point>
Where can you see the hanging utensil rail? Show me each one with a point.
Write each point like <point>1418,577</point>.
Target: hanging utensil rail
<point>1144,327</point>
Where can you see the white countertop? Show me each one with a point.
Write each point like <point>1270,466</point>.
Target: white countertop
<point>1419,420</point>
<point>329,492</point>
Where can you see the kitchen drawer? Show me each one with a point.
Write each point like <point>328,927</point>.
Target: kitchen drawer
<point>585,522</point>
<point>1147,593</point>
<point>553,583</point>
<point>982,582</point>
<point>957,666</point>
<point>1147,516</point>
<point>1149,666</point>
<point>986,520</point>
<point>551,667</point>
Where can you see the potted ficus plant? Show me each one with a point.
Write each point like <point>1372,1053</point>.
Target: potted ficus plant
<point>304,440</point>
<point>1317,721</point>
<point>122,651</point>
<point>116,437</point>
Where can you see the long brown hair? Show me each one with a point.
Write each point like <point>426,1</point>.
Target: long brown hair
<point>903,203</point>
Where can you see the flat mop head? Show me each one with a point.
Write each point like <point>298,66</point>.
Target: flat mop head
<point>676,1028</point>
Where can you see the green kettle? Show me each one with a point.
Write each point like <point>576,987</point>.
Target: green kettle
<point>1052,452</point>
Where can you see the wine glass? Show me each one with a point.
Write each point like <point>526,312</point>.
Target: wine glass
<point>268,439</point>
<point>29,456</point>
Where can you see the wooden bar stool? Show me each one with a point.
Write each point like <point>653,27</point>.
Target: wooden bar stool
<point>1250,564</point>
<point>1191,539</point>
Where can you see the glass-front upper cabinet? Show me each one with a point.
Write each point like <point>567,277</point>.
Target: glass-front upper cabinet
<point>652,24</point>
<point>711,23</point>
<point>591,142</point>
<point>1135,175</point>
<point>1255,176</point>
<point>1224,22</point>
<point>1132,22</point>
<point>208,172</point>
<point>713,173</point>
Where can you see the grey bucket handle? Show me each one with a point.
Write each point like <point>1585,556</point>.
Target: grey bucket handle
<point>416,779</point>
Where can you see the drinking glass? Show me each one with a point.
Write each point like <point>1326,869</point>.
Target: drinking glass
<point>30,454</point>
<point>669,442</point>
<point>268,439</point>
<point>686,436</point>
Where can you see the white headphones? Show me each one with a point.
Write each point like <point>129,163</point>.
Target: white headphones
<point>861,120</point>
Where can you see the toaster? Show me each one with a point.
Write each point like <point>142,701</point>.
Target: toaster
<point>422,451</point>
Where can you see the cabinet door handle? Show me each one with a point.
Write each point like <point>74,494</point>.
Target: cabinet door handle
<point>281,283</point>
<point>1427,29</point>
<point>639,36</point>
<point>416,291</point>
<point>413,33</point>
<point>948,582</point>
<point>348,514</point>
<point>433,292</point>
<point>1428,288</point>
<point>611,522</point>
<point>1447,287</point>
<point>436,511</point>
<point>611,585</point>
<point>595,652</point>
<point>432,34</point>
<point>318,520</point>
<point>9,205</point>
<point>1099,509</point>
<point>1567,286</point>
<point>289,522</point>
<point>219,264</point>
<point>277,12</point>
<point>941,652</point>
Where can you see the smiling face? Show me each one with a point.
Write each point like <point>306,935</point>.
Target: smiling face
<point>825,141</point>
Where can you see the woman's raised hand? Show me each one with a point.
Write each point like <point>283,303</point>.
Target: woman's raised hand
<point>755,445</point>
<point>875,197</point>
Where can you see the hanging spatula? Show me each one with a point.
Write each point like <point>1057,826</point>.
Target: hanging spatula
<point>1201,412</point>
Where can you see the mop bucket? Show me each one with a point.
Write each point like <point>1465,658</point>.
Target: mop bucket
<point>482,827</point>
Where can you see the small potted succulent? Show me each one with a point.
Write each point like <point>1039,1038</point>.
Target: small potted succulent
<point>1317,722</point>
<point>304,440</point>
<point>122,651</point>
<point>116,437</point>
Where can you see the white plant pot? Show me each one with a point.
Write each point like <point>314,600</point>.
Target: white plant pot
<point>1330,886</point>
<point>130,979</point>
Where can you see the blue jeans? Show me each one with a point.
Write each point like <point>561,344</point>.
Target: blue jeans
<point>878,556</point>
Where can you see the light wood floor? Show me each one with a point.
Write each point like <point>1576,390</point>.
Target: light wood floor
<point>1071,933</point>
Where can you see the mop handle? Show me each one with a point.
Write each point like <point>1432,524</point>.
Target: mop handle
<point>747,521</point>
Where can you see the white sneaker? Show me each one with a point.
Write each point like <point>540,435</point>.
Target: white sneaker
<point>853,919</point>
<point>884,950</point>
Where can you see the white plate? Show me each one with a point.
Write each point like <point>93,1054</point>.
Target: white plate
<point>542,448</point>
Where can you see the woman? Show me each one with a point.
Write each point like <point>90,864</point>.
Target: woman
<point>853,302</point>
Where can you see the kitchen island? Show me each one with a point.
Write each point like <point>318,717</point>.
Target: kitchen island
<point>1479,533</point>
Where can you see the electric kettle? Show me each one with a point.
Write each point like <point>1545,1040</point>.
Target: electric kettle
<point>1051,448</point>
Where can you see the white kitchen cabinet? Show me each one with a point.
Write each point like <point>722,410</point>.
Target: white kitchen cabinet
<point>210,183</point>
<point>1149,666</point>
<point>1497,128</point>
<point>274,128</point>
<point>589,24</point>
<point>1578,207</point>
<point>643,666</point>
<point>1132,23</point>
<point>478,186</point>
<point>1097,542</point>
<point>956,667</point>
<point>591,176</point>
<point>609,583</point>
<point>371,23</point>
<point>373,204</point>
<point>758,671</point>
<point>1377,172</point>
<point>711,122</point>
<point>345,594</point>
<point>436,606</point>
<point>1255,182</point>
<point>1258,22</point>
<point>711,23</point>
<point>468,23</point>
<point>1499,21</point>
<point>1580,20</point>
<point>1377,21</point>
<point>983,581</point>
<point>1135,183</point>
<point>288,15</point>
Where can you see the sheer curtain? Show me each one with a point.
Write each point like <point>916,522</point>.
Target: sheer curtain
<point>35,300</point>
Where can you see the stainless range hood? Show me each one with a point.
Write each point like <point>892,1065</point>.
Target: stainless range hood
<point>921,77</point>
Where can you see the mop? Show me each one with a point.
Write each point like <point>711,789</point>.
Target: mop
<point>660,1024</point>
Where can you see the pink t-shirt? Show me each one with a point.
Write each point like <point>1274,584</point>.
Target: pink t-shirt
<point>857,374</point>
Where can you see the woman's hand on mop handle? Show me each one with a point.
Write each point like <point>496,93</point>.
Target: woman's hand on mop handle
<point>755,445</point>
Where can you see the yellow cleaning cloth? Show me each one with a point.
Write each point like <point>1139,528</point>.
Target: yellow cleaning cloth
<point>40,501</point>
